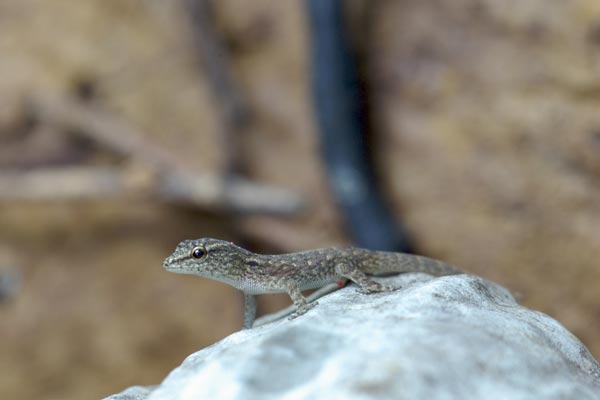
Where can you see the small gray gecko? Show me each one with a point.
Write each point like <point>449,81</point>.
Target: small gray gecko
<point>291,273</point>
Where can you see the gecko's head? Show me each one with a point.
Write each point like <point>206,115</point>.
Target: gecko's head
<point>211,258</point>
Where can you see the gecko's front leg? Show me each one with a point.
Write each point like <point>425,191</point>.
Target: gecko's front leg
<point>302,306</point>
<point>249,310</point>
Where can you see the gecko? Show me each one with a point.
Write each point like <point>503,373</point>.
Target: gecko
<point>292,273</point>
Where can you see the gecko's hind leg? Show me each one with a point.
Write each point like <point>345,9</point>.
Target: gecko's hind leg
<point>302,306</point>
<point>367,285</point>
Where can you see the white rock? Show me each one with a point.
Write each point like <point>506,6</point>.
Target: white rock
<point>133,393</point>
<point>456,337</point>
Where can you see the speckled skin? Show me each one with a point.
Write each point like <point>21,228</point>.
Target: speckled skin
<point>291,273</point>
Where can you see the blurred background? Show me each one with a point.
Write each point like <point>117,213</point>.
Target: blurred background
<point>465,130</point>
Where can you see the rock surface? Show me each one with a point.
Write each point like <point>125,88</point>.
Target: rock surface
<point>457,337</point>
<point>134,393</point>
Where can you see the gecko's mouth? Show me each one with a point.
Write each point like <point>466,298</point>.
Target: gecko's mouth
<point>174,265</point>
<point>168,265</point>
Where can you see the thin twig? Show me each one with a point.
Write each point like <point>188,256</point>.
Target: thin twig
<point>57,184</point>
<point>104,128</point>
<point>173,180</point>
<point>213,56</point>
<point>234,111</point>
<point>85,183</point>
<point>236,195</point>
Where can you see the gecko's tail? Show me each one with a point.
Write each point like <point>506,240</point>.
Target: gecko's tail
<point>387,263</point>
<point>393,263</point>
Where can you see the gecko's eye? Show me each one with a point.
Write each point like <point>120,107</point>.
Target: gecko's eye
<point>198,252</point>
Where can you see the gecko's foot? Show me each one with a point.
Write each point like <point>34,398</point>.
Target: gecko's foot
<point>302,310</point>
<point>376,287</point>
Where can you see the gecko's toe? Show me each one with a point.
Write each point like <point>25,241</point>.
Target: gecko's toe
<point>302,310</point>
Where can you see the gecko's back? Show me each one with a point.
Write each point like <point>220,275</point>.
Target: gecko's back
<point>383,262</point>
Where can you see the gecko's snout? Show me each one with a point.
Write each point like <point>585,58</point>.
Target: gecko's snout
<point>167,264</point>
<point>173,264</point>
